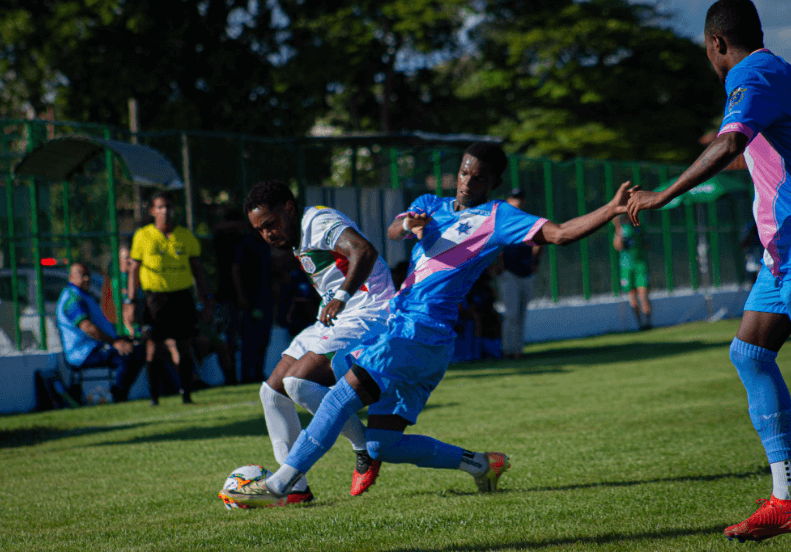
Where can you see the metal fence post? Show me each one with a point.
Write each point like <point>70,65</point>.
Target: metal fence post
<point>584,253</point>
<point>36,244</point>
<point>715,244</point>
<point>394,176</point>
<point>9,194</point>
<point>67,220</point>
<point>113,214</point>
<point>187,174</point>
<point>667,238</point>
<point>553,254</point>
<point>609,190</point>
<point>691,247</point>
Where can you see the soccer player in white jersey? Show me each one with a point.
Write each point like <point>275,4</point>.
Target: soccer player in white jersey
<point>458,238</point>
<point>757,122</point>
<point>355,286</point>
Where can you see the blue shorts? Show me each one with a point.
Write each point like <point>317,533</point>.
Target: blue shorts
<point>406,372</point>
<point>769,294</point>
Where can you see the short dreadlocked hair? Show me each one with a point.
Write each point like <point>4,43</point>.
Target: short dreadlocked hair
<point>737,21</point>
<point>269,193</point>
<point>491,154</point>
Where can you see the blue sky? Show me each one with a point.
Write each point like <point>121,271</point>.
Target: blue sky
<point>689,16</point>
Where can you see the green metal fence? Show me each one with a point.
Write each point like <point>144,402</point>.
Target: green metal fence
<point>84,218</point>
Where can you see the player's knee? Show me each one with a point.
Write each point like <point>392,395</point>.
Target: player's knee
<point>267,394</point>
<point>367,382</point>
<point>382,444</point>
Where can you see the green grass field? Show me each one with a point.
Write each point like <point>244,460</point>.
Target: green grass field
<point>634,441</point>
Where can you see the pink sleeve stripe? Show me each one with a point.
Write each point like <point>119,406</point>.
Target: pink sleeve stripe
<point>738,127</point>
<point>533,230</point>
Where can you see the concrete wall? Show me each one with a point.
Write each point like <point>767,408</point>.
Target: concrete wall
<point>546,321</point>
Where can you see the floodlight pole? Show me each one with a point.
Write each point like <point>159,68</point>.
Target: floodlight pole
<point>185,170</point>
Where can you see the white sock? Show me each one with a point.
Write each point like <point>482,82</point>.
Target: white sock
<point>283,425</point>
<point>282,483</point>
<point>473,463</point>
<point>308,395</point>
<point>781,479</point>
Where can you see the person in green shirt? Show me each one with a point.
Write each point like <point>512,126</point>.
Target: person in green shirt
<point>633,261</point>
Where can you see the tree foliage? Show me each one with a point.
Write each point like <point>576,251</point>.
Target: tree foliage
<point>597,79</point>
<point>556,78</point>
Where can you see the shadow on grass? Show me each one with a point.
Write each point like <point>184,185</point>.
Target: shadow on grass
<point>605,538</point>
<point>553,360</point>
<point>40,434</point>
<point>242,428</point>
<point>763,470</point>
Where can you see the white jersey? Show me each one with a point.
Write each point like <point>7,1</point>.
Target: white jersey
<point>321,229</point>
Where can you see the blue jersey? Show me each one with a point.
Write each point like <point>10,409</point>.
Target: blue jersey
<point>456,248</point>
<point>74,306</point>
<point>759,106</point>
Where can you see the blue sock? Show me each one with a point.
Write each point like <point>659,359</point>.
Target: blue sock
<point>396,448</point>
<point>767,397</point>
<point>323,430</point>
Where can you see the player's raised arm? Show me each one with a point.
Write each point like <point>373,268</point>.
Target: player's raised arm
<point>580,227</point>
<point>720,153</point>
<point>362,256</point>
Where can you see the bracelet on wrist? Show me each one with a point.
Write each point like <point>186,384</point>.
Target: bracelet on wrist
<point>128,301</point>
<point>404,224</point>
<point>342,296</point>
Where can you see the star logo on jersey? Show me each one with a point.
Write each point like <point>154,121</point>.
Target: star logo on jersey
<point>464,228</point>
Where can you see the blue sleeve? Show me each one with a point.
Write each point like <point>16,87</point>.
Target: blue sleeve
<point>426,203</point>
<point>75,310</point>
<point>752,103</point>
<point>513,226</point>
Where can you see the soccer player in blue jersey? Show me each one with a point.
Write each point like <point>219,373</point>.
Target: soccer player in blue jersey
<point>458,238</point>
<point>757,122</point>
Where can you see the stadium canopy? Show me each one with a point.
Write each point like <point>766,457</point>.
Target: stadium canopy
<point>61,158</point>
<point>708,191</point>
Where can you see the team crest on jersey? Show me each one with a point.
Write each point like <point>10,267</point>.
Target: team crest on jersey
<point>307,264</point>
<point>736,96</point>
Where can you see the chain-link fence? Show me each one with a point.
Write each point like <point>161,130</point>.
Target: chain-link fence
<point>369,177</point>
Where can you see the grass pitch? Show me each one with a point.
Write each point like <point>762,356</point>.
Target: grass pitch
<point>635,441</point>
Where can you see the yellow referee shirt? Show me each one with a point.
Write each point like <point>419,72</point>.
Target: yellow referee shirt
<point>165,261</point>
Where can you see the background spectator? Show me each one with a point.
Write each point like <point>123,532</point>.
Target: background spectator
<point>89,338</point>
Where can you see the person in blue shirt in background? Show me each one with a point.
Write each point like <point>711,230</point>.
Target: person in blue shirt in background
<point>458,238</point>
<point>90,340</point>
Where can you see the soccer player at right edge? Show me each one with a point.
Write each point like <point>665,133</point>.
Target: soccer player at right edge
<point>757,122</point>
<point>458,239</point>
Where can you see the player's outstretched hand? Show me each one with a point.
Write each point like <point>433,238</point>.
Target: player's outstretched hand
<point>641,200</point>
<point>621,197</point>
<point>331,311</point>
<point>416,223</point>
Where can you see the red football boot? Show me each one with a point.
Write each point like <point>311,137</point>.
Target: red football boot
<point>365,473</point>
<point>772,518</point>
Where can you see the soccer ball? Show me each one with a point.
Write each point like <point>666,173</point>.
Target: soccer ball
<point>243,476</point>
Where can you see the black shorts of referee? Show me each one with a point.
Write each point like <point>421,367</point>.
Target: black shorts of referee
<point>170,314</point>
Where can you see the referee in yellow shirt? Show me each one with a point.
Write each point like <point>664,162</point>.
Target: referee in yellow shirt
<point>164,260</point>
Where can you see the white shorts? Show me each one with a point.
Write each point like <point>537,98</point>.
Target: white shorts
<point>346,332</point>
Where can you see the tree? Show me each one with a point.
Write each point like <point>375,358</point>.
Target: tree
<point>204,65</point>
<point>601,79</point>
